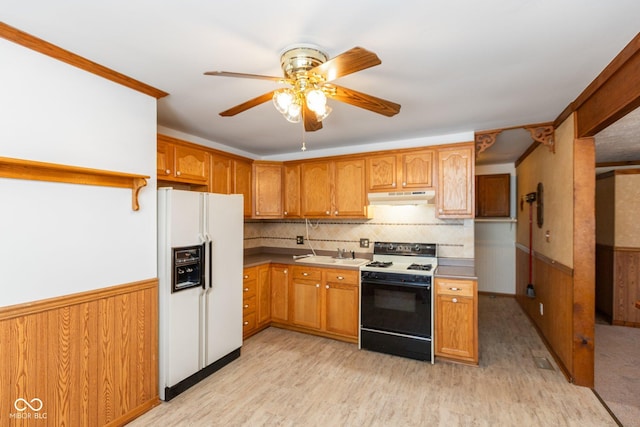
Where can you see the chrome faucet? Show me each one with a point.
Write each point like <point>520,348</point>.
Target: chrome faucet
<point>341,253</point>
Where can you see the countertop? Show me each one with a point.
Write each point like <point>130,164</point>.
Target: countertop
<point>251,260</point>
<point>456,272</point>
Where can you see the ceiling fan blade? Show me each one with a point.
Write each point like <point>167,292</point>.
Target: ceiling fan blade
<point>244,75</point>
<point>248,104</point>
<point>353,60</point>
<point>311,123</point>
<point>362,100</point>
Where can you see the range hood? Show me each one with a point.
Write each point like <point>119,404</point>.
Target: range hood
<point>418,197</point>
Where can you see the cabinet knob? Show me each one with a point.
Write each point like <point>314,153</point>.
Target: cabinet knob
<point>246,306</point>
<point>454,289</point>
<point>404,184</point>
<point>246,276</point>
<point>168,171</point>
<point>257,212</point>
<point>245,323</point>
<point>178,173</point>
<point>286,271</point>
<point>327,286</point>
<point>393,185</point>
<point>328,212</point>
<point>246,289</point>
<point>305,274</point>
<point>317,285</point>
<point>454,300</point>
<point>286,213</point>
<point>340,277</point>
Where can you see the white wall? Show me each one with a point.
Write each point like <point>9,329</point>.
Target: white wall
<point>57,239</point>
<point>495,243</point>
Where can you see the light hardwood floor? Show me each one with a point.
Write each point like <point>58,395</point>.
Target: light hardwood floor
<point>286,378</point>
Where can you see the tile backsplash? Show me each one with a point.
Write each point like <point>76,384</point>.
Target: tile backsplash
<point>412,223</point>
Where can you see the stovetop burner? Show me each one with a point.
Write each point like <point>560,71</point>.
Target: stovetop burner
<point>422,267</point>
<point>380,264</point>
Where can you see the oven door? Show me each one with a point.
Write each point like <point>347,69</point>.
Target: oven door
<point>400,308</point>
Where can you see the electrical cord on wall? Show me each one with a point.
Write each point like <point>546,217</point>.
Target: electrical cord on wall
<point>306,226</point>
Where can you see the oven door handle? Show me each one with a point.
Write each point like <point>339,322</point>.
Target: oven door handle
<point>426,286</point>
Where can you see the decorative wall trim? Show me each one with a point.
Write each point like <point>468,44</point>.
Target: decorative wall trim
<point>46,48</point>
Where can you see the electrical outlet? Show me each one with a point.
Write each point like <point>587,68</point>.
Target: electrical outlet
<point>300,240</point>
<point>541,310</point>
<point>364,243</point>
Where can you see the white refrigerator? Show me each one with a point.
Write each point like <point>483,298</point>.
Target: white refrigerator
<point>200,323</point>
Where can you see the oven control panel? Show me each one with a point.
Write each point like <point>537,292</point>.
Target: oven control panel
<point>392,248</point>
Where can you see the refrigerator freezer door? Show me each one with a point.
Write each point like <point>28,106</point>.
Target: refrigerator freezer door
<point>223,300</point>
<point>179,219</point>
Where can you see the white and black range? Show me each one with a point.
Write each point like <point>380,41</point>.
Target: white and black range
<point>396,294</point>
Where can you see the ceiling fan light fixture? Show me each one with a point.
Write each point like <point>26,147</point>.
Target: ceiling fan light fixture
<point>283,99</point>
<point>293,113</point>
<point>320,116</point>
<point>316,101</point>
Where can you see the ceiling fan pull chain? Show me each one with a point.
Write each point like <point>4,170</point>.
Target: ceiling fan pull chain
<point>304,146</point>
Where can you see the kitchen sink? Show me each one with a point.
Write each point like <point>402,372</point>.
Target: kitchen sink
<point>328,260</point>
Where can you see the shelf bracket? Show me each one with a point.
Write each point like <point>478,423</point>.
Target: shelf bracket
<point>485,140</point>
<point>544,135</point>
<point>52,172</point>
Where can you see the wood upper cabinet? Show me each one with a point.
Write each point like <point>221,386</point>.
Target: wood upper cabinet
<point>221,176</point>
<point>291,190</point>
<point>350,198</point>
<point>280,293</point>
<point>455,188</point>
<point>493,195</point>
<point>333,189</point>
<point>341,302</point>
<point>179,161</point>
<point>392,172</point>
<point>242,183</point>
<point>267,190</point>
<point>456,319</point>
<point>315,189</point>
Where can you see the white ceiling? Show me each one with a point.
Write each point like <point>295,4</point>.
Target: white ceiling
<point>455,66</point>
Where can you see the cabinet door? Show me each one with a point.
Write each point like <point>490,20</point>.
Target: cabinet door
<point>455,327</point>
<point>280,293</point>
<point>417,170</point>
<point>455,182</point>
<point>192,165</point>
<point>164,159</point>
<point>493,195</point>
<point>350,197</point>
<point>242,183</point>
<point>305,303</point>
<point>316,189</point>
<point>220,174</point>
<point>291,191</point>
<point>382,173</point>
<point>263,295</point>
<point>341,305</point>
<point>267,190</point>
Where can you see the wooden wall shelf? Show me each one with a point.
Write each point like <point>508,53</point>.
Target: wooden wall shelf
<point>41,171</point>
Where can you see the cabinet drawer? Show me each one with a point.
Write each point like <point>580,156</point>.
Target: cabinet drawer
<point>463,288</point>
<point>248,289</point>
<point>307,273</point>
<point>249,322</point>
<point>249,274</point>
<point>343,276</point>
<point>248,305</point>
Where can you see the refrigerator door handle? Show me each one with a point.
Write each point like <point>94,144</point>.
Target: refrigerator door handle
<point>210,264</point>
<point>202,268</point>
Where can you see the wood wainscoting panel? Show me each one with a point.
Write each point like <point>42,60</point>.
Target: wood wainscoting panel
<point>90,358</point>
<point>553,284</point>
<point>626,286</point>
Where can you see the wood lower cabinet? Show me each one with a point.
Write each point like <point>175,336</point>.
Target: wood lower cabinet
<point>326,301</point>
<point>280,293</point>
<point>341,302</point>
<point>456,320</point>
<point>455,189</point>
<point>305,297</point>
<point>256,300</point>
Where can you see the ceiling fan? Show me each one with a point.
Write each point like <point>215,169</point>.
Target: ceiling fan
<point>308,73</point>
